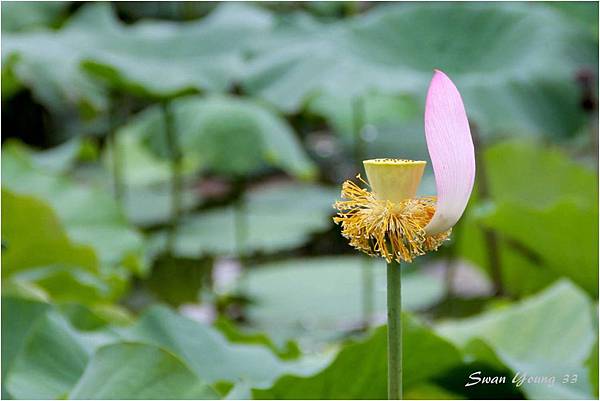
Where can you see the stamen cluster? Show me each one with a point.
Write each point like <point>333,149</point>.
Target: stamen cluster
<point>394,231</point>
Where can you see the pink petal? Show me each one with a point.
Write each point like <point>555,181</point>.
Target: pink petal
<point>451,150</point>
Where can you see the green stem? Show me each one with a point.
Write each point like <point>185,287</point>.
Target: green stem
<point>118,113</point>
<point>176,176</point>
<point>394,310</point>
<point>490,237</point>
<point>241,230</point>
<point>117,166</point>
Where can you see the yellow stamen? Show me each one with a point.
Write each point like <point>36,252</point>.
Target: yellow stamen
<point>392,230</point>
<point>394,179</point>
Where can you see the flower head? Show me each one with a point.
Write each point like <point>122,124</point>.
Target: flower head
<point>390,221</point>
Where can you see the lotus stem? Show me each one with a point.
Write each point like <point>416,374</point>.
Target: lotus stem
<point>117,114</point>
<point>117,166</point>
<point>358,123</point>
<point>394,310</point>
<point>176,176</point>
<point>241,230</point>
<point>490,237</point>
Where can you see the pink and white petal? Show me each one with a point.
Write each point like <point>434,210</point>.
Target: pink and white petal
<point>451,150</point>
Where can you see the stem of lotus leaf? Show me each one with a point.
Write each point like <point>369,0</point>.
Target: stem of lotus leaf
<point>358,123</point>
<point>490,237</point>
<point>117,164</point>
<point>119,112</point>
<point>394,315</point>
<point>368,291</point>
<point>241,230</point>
<point>175,158</point>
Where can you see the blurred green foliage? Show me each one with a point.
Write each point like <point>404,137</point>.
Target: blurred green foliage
<point>270,104</point>
<point>512,334</point>
<point>543,203</point>
<point>21,16</point>
<point>280,305</point>
<point>208,131</point>
<point>270,224</point>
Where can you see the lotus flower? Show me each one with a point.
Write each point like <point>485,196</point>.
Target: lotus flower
<point>390,221</point>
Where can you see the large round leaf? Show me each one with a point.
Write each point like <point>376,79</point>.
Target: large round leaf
<point>89,214</point>
<point>224,134</point>
<point>391,125</point>
<point>163,59</point>
<point>565,236</point>
<point>50,244</point>
<point>149,58</point>
<point>547,223</point>
<point>154,57</point>
<point>139,371</point>
<point>514,174</point>
<point>277,218</point>
<point>52,343</point>
<point>550,334</point>
<point>49,358</point>
<point>316,298</point>
<point>360,369</point>
<point>18,320</point>
<point>47,261</point>
<point>513,63</point>
<point>31,15</point>
<point>209,354</point>
<point>47,62</point>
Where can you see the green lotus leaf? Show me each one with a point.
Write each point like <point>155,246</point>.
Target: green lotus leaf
<point>526,340</point>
